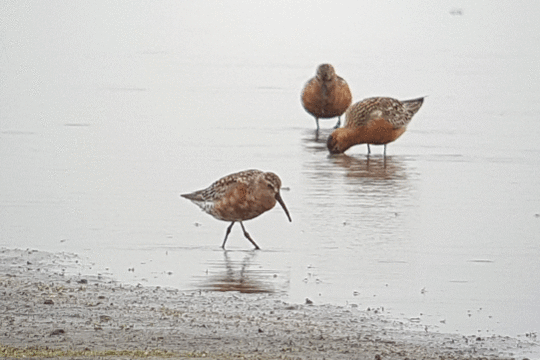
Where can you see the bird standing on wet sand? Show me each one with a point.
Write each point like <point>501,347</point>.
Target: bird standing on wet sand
<point>377,120</point>
<point>239,197</point>
<point>326,95</point>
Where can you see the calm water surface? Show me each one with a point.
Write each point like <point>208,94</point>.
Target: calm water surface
<point>109,112</point>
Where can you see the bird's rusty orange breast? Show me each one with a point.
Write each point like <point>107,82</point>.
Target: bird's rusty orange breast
<point>242,203</point>
<point>378,132</point>
<point>326,99</point>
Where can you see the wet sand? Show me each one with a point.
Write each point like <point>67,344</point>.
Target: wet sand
<point>50,305</point>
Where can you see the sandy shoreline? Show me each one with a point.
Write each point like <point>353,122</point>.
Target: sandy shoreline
<point>46,304</point>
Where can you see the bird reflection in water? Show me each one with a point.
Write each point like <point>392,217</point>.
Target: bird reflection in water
<point>356,166</point>
<point>316,139</point>
<point>370,196</point>
<point>380,168</point>
<point>235,275</point>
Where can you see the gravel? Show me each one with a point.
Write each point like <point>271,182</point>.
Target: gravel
<point>47,308</point>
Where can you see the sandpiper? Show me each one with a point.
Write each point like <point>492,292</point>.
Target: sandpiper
<point>240,196</point>
<point>326,95</point>
<point>377,120</point>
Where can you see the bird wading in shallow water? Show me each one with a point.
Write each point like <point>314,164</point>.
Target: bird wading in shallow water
<point>377,121</point>
<point>326,95</point>
<point>240,196</point>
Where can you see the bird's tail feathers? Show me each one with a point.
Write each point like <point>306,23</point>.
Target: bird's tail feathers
<point>413,105</point>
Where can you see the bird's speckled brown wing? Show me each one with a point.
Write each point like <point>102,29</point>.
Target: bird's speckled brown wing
<point>222,186</point>
<point>391,110</point>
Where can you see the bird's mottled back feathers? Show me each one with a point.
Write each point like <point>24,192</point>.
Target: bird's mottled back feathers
<point>398,113</point>
<point>222,186</point>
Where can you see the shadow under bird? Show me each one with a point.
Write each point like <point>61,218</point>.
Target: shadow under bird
<point>326,95</point>
<point>240,196</point>
<point>375,121</point>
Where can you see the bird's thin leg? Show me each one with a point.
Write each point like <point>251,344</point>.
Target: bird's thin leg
<point>368,149</point>
<point>338,124</point>
<point>384,150</point>
<point>249,237</point>
<point>317,121</point>
<point>227,234</point>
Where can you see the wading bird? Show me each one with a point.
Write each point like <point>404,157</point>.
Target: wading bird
<point>377,121</point>
<point>326,95</point>
<point>240,196</point>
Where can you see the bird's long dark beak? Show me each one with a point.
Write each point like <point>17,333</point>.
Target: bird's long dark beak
<point>280,201</point>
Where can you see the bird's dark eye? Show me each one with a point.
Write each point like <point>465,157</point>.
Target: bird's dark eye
<point>270,186</point>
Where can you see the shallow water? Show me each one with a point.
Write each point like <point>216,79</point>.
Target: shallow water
<point>109,112</point>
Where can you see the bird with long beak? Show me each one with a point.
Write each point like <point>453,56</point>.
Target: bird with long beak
<point>240,196</point>
<point>375,121</point>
